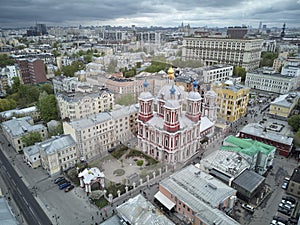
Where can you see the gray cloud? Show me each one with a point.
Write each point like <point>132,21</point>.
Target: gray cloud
<point>149,13</point>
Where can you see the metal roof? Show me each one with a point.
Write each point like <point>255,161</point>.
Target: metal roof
<point>249,180</point>
<point>6,216</point>
<point>138,210</point>
<point>57,143</point>
<point>258,131</point>
<point>192,183</point>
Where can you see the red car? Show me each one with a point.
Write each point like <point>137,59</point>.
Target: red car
<point>69,188</point>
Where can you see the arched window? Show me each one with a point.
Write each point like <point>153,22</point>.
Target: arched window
<point>166,142</point>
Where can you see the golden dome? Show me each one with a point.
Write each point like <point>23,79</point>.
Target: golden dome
<point>171,73</point>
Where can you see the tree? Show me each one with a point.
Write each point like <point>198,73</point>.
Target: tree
<point>111,68</point>
<point>47,106</point>
<point>48,88</point>
<point>27,94</point>
<point>70,70</point>
<point>239,72</point>
<point>267,59</point>
<point>139,162</point>
<point>5,60</point>
<point>294,122</point>
<point>126,99</point>
<point>15,85</point>
<point>31,138</point>
<point>57,130</point>
<point>7,104</point>
<point>297,139</point>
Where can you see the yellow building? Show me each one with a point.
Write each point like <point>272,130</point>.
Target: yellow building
<point>282,106</point>
<point>232,100</point>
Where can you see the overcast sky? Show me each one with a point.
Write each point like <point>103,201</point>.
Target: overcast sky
<point>198,13</point>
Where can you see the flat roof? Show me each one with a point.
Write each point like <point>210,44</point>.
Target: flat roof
<point>249,180</point>
<point>6,216</point>
<point>164,200</point>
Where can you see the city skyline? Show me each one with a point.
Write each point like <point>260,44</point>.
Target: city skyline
<point>212,13</point>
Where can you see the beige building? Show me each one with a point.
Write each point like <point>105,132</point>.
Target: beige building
<point>294,183</point>
<point>282,106</point>
<point>55,155</point>
<point>16,128</point>
<point>81,104</point>
<point>211,50</point>
<point>232,100</point>
<point>100,132</point>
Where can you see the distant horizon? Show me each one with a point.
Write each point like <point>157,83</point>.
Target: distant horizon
<point>146,13</point>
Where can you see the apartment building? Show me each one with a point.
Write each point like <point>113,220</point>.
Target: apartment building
<point>32,71</point>
<point>266,79</point>
<point>212,50</point>
<point>232,100</point>
<point>16,128</point>
<point>217,73</point>
<point>283,105</point>
<point>294,183</point>
<point>55,155</point>
<point>197,197</point>
<point>100,132</point>
<point>64,84</point>
<point>84,102</point>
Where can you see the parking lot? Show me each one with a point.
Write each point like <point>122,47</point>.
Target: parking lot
<point>62,208</point>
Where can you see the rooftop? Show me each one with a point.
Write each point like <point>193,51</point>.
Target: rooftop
<point>90,174</point>
<point>191,182</point>
<point>57,143</point>
<point>296,175</point>
<point>138,210</point>
<point>249,180</point>
<point>6,216</point>
<point>20,126</point>
<point>257,130</point>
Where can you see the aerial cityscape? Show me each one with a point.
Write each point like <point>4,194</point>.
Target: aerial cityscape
<point>150,112</point>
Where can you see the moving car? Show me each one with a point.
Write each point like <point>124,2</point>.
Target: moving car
<point>69,188</point>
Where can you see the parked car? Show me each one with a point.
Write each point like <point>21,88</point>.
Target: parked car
<point>284,185</point>
<point>58,180</point>
<point>248,207</point>
<point>280,219</point>
<point>62,181</point>
<point>284,211</point>
<point>64,185</point>
<point>289,198</point>
<point>69,188</point>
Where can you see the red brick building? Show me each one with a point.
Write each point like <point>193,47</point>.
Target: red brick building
<point>32,71</point>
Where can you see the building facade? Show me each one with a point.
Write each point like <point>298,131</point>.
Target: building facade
<point>266,79</point>
<point>79,104</point>
<point>255,131</point>
<point>237,52</point>
<point>98,133</point>
<point>16,128</point>
<point>32,71</point>
<point>169,134</point>
<point>217,73</point>
<point>232,100</point>
<point>197,197</point>
<point>283,105</point>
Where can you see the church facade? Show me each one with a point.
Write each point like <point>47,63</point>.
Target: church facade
<point>172,125</point>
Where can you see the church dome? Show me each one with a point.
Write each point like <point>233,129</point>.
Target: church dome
<point>210,93</point>
<point>165,92</point>
<point>194,95</point>
<point>171,73</point>
<point>146,95</point>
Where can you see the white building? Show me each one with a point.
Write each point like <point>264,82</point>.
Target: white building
<point>267,79</point>
<point>237,52</point>
<point>100,132</point>
<point>90,176</point>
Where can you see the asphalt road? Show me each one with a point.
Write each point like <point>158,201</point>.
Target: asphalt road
<point>28,206</point>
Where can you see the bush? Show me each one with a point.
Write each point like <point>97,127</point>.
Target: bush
<point>140,162</point>
<point>119,151</point>
<point>137,153</point>
<point>101,202</point>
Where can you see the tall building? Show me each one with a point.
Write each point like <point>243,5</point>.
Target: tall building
<point>169,134</point>
<point>32,71</point>
<point>232,100</point>
<point>237,32</point>
<point>211,50</point>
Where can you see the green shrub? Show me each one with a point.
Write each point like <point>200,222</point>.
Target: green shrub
<point>140,162</point>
